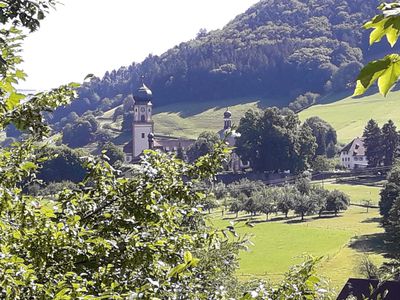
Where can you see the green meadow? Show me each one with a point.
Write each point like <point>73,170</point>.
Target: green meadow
<point>347,115</point>
<point>350,115</point>
<point>342,241</point>
<point>359,194</point>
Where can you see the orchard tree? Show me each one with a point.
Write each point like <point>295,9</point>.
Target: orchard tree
<point>285,199</point>
<point>304,204</point>
<point>337,201</point>
<point>265,200</point>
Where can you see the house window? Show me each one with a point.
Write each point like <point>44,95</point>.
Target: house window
<point>143,136</point>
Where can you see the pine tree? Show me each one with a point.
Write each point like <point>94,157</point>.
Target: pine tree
<point>373,143</point>
<point>390,142</point>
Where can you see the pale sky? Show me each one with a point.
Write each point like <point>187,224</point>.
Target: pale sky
<point>93,36</point>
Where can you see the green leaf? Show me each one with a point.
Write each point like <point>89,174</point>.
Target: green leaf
<point>20,74</point>
<point>27,166</point>
<point>389,26</point>
<point>194,262</point>
<point>187,257</point>
<point>390,76</point>
<point>385,70</point>
<point>13,100</point>
<point>17,235</point>
<point>177,270</point>
<point>74,85</point>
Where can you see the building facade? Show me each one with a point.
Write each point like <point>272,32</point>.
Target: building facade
<point>352,156</point>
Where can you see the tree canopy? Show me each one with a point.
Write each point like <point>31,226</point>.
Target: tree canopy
<point>275,140</point>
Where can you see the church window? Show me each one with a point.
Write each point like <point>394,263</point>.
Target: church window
<point>143,136</point>
<point>142,118</point>
<point>136,109</point>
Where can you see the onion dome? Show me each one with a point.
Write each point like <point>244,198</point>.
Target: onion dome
<point>227,114</point>
<point>143,94</point>
<point>150,136</point>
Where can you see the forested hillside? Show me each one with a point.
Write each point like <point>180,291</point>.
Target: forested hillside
<point>277,48</point>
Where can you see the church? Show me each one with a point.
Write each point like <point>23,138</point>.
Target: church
<point>143,136</point>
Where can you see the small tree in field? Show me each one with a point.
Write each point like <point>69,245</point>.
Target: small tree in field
<point>265,202</point>
<point>337,201</point>
<point>285,199</point>
<point>303,205</point>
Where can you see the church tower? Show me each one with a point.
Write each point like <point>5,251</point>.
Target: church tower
<point>227,119</point>
<point>143,125</point>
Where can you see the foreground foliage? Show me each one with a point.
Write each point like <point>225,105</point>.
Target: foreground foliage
<point>385,71</point>
<point>109,237</point>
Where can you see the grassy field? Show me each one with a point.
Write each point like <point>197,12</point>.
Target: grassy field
<point>191,119</point>
<point>358,193</point>
<point>347,115</point>
<point>342,241</point>
<point>350,115</point>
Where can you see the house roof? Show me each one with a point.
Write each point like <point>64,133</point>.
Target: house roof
<point>355,148</point>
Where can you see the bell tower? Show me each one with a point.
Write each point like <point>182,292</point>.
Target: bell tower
<point>227,119</point>
<point>143,125</point>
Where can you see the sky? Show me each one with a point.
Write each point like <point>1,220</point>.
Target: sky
<point>94,36</point>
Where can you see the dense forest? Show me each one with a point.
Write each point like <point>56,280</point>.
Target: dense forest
<point>277,48</point>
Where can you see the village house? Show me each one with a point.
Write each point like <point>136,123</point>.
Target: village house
<point>352,156</point>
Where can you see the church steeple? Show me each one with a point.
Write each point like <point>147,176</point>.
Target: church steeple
<point>227,119</point>
<point>143,125</point>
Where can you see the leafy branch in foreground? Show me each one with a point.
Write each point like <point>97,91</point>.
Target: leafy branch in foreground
<point>385,71</point>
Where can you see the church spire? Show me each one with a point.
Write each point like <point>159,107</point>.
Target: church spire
<point>227,119</point>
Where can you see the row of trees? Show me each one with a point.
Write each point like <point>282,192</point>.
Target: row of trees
<point>302,198</point>
<point>381,144</point>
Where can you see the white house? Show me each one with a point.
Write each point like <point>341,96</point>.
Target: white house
<point>353,155</point>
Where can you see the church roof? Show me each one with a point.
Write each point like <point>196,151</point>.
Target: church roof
<point>143,94</point>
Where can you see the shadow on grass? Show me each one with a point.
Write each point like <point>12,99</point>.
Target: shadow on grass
<point>375,181</point>
<point>372,220</point>
<point>370,243</point>
<point>192,108</point>
<point>312,218</point>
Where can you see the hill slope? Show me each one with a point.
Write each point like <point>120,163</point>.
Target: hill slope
<point>350,115</point>
<point>277,48</point>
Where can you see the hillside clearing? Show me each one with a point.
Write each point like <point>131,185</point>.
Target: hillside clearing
<point>350,115</point>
